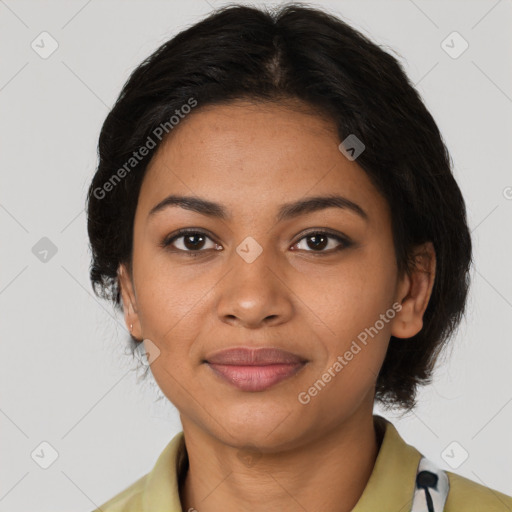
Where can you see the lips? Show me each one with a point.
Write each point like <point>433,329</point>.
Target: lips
<point>254,369</point>
<point>254,357</point>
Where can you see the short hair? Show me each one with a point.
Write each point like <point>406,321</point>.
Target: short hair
<point>302,53</point>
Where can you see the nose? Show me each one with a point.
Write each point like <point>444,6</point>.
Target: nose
<point>254,293</point>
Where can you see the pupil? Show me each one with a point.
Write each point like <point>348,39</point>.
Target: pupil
<point>192,245</point>
<point>317,244</point>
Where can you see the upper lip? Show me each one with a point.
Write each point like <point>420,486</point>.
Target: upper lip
<point>244,356</point>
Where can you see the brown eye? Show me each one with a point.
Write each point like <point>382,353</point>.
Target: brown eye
<point>319,240</point>
<point>189,241</point>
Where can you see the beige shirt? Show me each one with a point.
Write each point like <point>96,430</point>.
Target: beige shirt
<point>390,487</point>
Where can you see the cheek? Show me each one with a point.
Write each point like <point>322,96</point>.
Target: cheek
<point>355,308</point>
<point>352,296</point>
<point>170,315</point>
<point>168,294</point>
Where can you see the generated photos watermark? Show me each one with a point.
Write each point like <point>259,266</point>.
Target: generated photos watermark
<point>137,156</point>
<point>304,397</point>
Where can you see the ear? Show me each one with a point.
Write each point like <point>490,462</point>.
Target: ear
<point>413,292</point>
<point>131,316</point>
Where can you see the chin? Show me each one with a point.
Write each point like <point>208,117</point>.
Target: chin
<point>260,428</point>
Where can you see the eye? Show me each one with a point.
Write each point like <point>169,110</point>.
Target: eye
<point>320,240</point>
<point>193,241</point>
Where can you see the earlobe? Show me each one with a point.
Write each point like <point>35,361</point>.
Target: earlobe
<point>414,293</point>
<point>131,316</point>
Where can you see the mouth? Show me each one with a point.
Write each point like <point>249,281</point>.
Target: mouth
<point>254,369</point>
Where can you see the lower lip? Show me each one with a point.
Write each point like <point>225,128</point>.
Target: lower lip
<point>255,378</point>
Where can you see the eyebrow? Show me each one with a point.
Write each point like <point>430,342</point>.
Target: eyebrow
<point>286,211</point>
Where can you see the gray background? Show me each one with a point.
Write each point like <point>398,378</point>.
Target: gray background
<point>64,376</point>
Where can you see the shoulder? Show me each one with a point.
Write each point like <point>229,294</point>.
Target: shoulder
<point>469,496</point>
<point>128,500</point>
<point>157,490</point>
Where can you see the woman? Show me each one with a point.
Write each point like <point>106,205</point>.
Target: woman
<point>275,214</point>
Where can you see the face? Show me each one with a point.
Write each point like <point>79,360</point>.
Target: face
<point>310,280</point>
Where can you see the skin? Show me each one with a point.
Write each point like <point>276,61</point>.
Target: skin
<point>252,158</point>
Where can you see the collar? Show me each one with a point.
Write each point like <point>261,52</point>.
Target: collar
<point>390,487</point>
<point>393,479</point>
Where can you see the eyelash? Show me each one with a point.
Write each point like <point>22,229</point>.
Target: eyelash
<point>344,241</point>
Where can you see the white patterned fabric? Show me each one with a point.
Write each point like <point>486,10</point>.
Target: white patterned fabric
<point>432,487</point>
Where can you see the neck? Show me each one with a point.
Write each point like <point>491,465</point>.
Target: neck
<point>329,473</point>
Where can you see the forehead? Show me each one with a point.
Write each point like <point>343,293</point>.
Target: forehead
<point>246,155</point>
